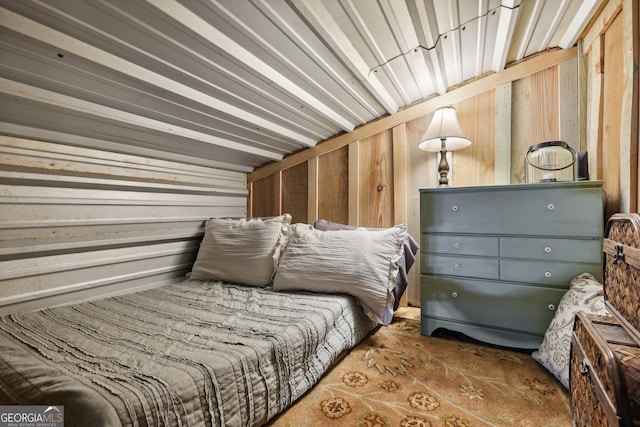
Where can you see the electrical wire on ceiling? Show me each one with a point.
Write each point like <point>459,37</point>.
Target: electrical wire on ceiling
<point>444,35</point>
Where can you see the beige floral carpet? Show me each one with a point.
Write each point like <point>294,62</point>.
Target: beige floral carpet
<point>396,377</point>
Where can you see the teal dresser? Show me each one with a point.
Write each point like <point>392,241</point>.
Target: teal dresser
<point>496,260</point>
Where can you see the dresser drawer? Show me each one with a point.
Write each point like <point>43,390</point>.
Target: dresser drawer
<point>545,273</point>
<point>549,210</point>
<point>451,265</point>
<point>527,309</point>
<point>460,245</point>
<point>571,250</point>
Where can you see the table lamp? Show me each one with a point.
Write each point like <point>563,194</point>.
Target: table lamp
<point>444,134</point>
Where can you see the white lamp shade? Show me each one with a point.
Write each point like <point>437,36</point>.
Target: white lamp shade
<point>444,125</point>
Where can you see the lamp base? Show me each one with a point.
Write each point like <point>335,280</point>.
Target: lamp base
<point>443,169</point>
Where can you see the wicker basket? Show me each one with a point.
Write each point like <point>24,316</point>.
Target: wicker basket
<point>604,373</point>
<point>622,270</point>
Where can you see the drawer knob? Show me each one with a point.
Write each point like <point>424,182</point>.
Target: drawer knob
<point>551,307</point>
<point>454,294</point>
<point>551,206</point>
<point>547,249</point>
<point>457,266</point>
<point>454,208</point>
<point>457,244</point>
<point>547,274</point>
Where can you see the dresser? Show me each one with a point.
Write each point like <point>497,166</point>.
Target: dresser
<point>495,260</point>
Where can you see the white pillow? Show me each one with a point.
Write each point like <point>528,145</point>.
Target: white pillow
<point>584,294</point>
<point>243,250</point>
<point>358,262</point>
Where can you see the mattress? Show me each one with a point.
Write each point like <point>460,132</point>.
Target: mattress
<point>194,353</point>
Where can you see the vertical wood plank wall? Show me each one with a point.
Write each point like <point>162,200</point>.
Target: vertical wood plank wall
<point>330,185</point>
<point>355,178</point>
<point>611,61</point>
<point>79,223</point>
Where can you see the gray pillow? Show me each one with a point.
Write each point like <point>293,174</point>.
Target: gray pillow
<point>584,294</point>
<point>360,263</point>
<point>404,263</point>
<point>245,250</point>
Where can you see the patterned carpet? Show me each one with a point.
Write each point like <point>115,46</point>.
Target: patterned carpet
<point>396,377</point>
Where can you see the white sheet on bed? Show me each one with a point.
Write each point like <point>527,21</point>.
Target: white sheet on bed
<point>194,353</point>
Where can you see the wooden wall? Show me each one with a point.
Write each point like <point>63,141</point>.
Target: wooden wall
<point>79,223</point>
<point>372,176</point>
<point>612,114</point>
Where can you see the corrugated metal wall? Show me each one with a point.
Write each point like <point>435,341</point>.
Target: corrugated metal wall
<point>79,223</point>
<point>244,83</point>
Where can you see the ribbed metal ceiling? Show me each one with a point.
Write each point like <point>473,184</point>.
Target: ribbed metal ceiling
<point>239,83</point>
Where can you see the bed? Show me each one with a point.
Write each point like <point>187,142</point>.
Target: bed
<point>208,350</point>
<point>194,353</point>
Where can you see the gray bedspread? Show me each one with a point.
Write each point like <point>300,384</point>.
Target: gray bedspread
<point>189,354</point>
